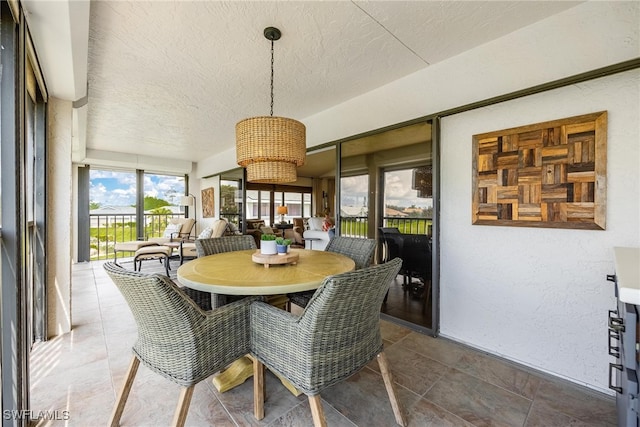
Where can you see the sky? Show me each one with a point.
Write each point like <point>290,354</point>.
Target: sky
<point>109,188</point>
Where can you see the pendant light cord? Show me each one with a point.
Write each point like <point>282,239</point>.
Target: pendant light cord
<point>271,77</point>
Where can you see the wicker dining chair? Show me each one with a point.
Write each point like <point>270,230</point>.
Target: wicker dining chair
<point>220,245</point>
<point>177,339</point>
<point>361,251</point>
<point>337,334</point>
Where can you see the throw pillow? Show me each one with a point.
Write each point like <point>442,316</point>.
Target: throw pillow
<point>266,230</point>
<point>172,230</point>
<point>315,223</point>
<point>206,233</point>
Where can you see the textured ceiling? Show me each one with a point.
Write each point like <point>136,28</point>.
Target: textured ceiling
<point>171,78</point>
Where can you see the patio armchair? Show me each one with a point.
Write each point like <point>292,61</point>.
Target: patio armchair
<point>176,339</point>
<point>176,230</point>
<point>361,251</point>
<point>187,249</point>
<point>337,334</point>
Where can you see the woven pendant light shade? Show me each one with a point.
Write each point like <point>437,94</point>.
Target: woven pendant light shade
<point>270,148</point>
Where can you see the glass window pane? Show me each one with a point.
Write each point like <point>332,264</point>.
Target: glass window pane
<point>112,210</point>
<point>408,200</point>
<point>265,206</point>
<point>306,209</point>
<point>293,202</point>
<point>354,207</point>
<point>230,200</point>
<point>114,190</point>
<point>252,204</point>
<point>163,193</point>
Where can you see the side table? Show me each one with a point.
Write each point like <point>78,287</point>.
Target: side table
<point>283,227</point>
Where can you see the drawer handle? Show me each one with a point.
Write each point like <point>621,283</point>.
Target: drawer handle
<point>611,277</point>
<point>614,350</point>
<point>611,386</point>
<point>616,323</point>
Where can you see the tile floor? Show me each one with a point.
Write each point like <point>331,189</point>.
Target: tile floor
<point>440,383</point>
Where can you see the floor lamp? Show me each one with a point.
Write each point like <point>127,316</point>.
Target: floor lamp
<point>189,201</point>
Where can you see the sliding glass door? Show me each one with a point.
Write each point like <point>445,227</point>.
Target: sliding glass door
<point>386,184</point>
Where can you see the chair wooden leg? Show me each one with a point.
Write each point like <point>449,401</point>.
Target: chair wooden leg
<point>316,411</point>
<point>124,392</point>
<point>258,389</point>
<point>388,383</point>
<point>184,401</point>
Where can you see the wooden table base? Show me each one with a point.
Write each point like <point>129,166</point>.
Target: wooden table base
<point>242,369</point>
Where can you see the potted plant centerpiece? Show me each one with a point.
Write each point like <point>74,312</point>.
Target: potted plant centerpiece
<point>268,244</point>
<point>282,245</point>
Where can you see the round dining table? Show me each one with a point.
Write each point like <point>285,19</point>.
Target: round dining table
<point>236,273</point>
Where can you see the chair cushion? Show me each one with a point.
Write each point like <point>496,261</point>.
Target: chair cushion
<point>218,228</point>
<point>186,224</point>
<point>132,246</point>
<point>152,251</point>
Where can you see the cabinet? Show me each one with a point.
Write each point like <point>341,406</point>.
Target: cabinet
<point>623,335</point>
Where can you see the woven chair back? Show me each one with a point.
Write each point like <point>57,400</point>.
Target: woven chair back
<point>154,300</point>
<point>359,250</point>
<point>223,244</point>
<point>175,338</point>
<point>345,314</point>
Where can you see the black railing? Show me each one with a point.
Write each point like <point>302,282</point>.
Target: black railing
<point>107,229</point>
<point>358,226</point>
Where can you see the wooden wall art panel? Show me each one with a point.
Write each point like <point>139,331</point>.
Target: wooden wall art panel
<point>550,174</point>
<point>208,210</point>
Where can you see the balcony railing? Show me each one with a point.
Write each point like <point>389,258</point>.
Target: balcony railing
<point>358,226</point>
<point>107,229</point>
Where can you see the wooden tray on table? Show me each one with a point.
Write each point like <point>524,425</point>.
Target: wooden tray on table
<point>267,260</point>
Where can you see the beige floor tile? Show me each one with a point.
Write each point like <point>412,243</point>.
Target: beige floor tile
<point>478,402</point>
<point>81,372</point>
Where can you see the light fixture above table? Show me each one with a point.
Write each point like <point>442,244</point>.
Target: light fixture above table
<point>271,148</point>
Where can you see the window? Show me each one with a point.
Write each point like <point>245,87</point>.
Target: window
<point>408,200</point>
<point>113,207</point>
<point>263,201</point>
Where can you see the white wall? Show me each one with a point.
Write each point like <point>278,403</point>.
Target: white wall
<point>59,215</point>
<point>535,295</point>
<point>204,184</point>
